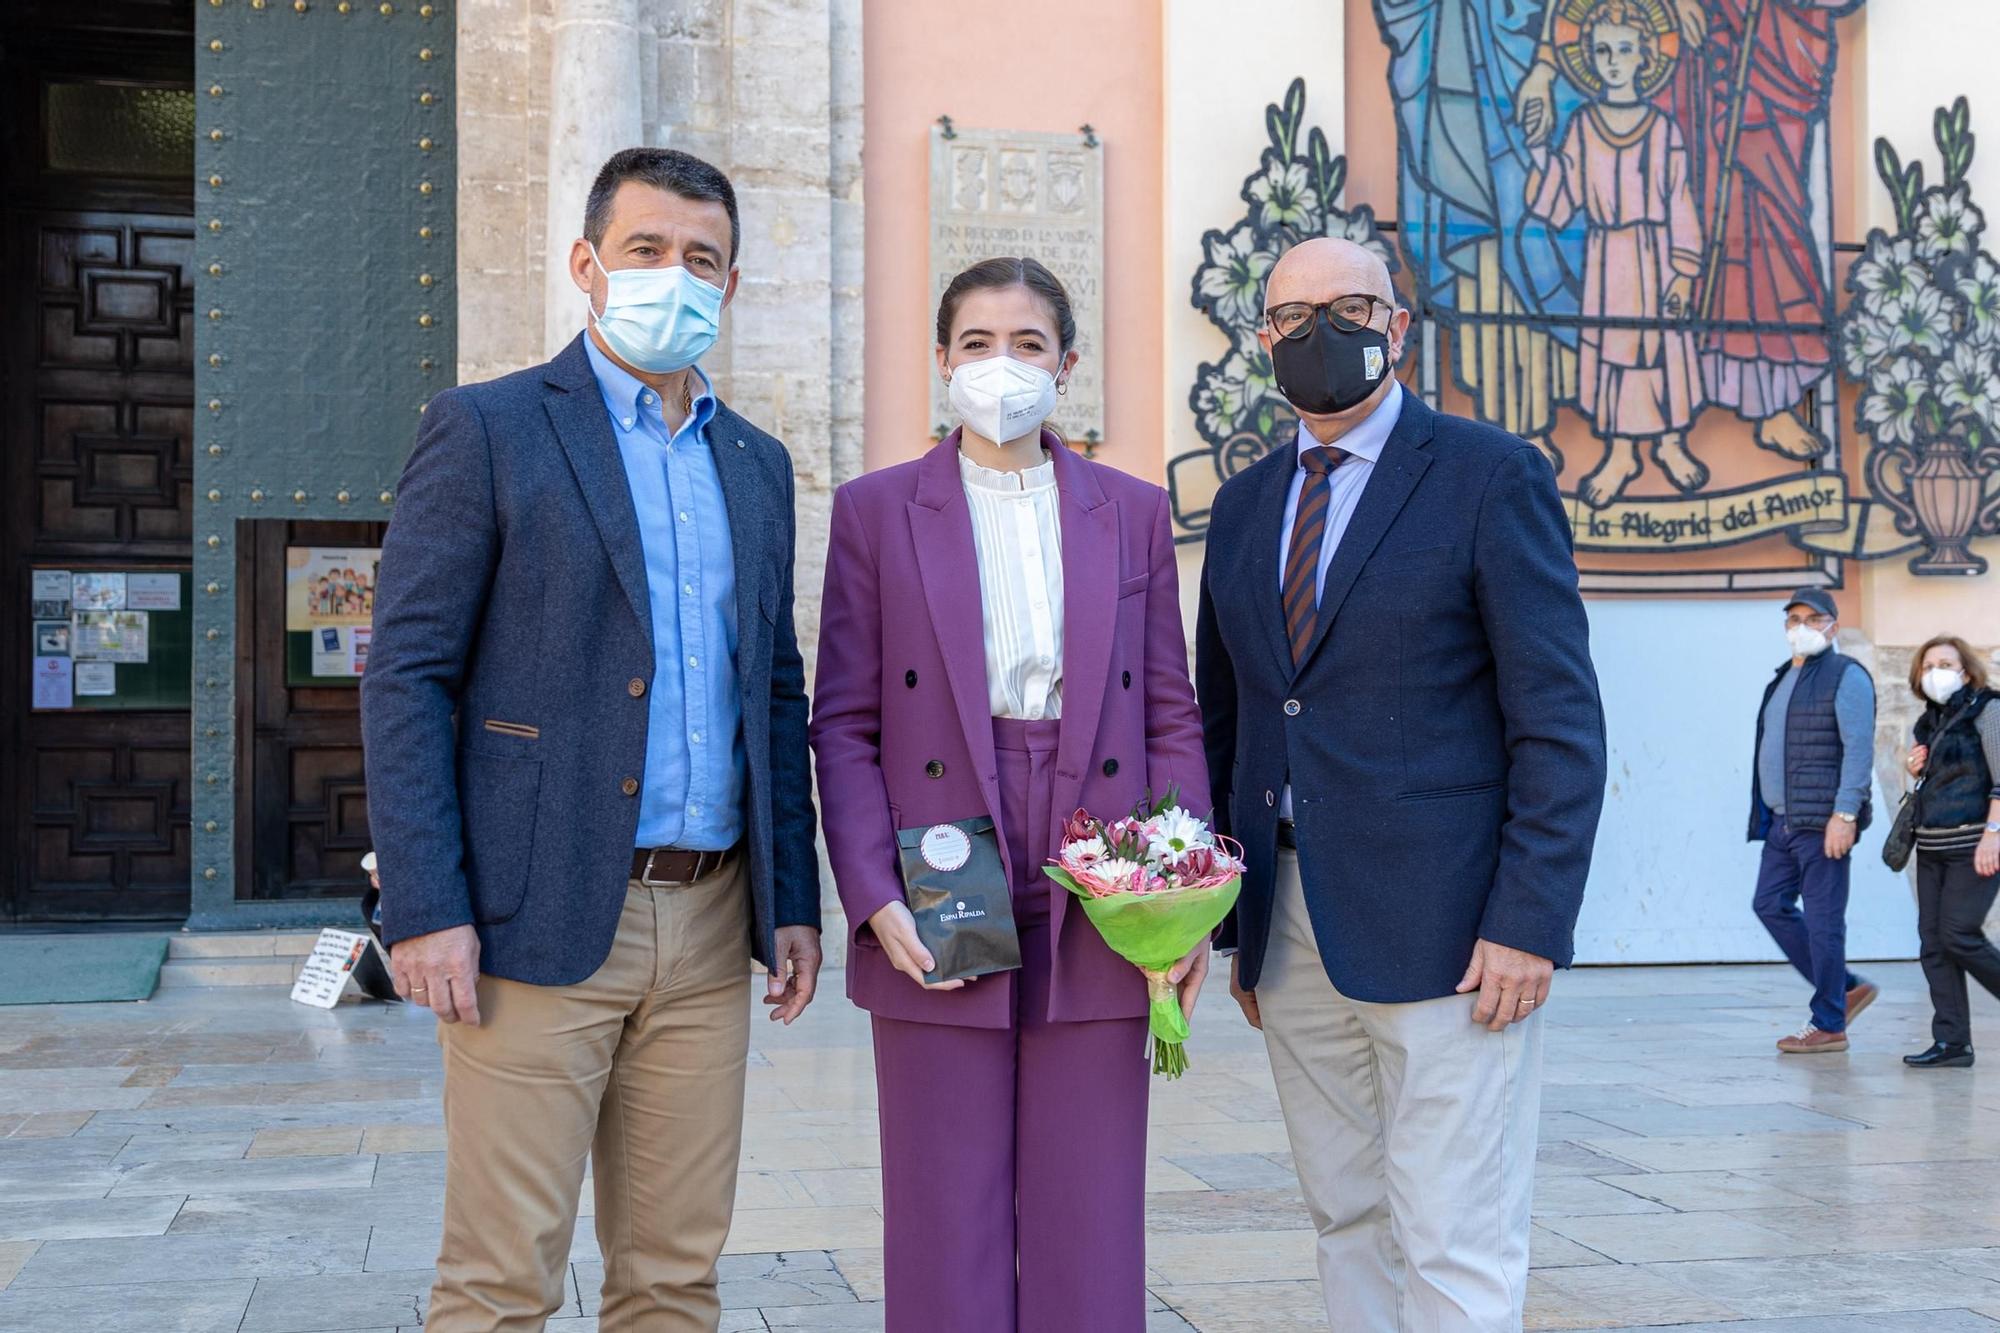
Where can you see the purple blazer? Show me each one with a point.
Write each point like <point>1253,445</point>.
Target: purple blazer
<point>901,688</point>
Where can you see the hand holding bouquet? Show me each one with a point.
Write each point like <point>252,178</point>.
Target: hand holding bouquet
<point>1155,884</point>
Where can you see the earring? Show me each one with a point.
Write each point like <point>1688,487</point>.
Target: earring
<point>1062,388</point>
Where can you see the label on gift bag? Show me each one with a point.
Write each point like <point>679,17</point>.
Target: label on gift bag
<point>956,886</point>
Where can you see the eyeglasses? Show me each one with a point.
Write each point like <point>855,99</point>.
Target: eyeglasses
<point>1351,314</point>
<point>1816,620</point>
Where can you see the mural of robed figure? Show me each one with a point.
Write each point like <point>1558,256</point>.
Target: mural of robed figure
<point>1754,106</point>
<point>1750,95</point>
<point>1455,67</point>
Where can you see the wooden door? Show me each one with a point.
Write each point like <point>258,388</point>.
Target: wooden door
<point>308,824</point>
<point>96,443</point>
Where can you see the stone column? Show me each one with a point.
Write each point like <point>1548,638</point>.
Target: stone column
<point>596,107</point>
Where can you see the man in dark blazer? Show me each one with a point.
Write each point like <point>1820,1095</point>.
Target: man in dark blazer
<point>585,719</point>
<point>1404,732</point>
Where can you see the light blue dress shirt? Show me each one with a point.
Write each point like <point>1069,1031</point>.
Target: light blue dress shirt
<point>1364,446</point>
<point>1364,443</point>
<point>695,768</point>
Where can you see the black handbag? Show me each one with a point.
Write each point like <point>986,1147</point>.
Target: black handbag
<point>956,886</point>
<point>1902,837</point>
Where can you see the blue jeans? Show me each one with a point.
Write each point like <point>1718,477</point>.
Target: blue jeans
<point>1796,867</point>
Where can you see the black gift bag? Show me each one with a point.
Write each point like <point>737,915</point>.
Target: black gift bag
<point>956,886</point>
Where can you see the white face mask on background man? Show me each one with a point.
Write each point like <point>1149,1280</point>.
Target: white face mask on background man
<point>1001,399</point>
<point>1807,641</point>
<point>1940,683</point>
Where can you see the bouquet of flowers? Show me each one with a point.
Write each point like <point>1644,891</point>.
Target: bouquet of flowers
<point>1155,884</point>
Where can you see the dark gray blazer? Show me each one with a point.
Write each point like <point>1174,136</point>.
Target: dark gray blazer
<point>500,723</point>
<point>1443,736</point>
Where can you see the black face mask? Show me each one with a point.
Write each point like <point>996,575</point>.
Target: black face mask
<point>1330,369</point>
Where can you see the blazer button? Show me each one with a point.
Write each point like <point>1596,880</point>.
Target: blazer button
<point>1291,708</point>
<point>636,688</point>
<point>1128,680</point>
<point>935,768</point>
<point>629,786</point>
<point>1270,798</point>
<point>1111,768</point>
<point>910,679</point>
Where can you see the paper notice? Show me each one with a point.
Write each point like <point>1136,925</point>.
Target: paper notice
<point>152,592</point>
<point>109,636</point>
<point>324,976</point>
<point>333,652</point>
<point>51,594</point>
<point>97,680</point>
<point>53,683</point>
<point>98,592</point>
<point>364,635</point>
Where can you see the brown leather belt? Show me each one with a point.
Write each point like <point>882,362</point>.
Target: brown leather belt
<point>671,867</point>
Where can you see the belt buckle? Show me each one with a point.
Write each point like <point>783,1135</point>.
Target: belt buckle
<point>646,874</point>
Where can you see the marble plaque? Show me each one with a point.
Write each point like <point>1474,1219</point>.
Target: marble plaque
<point>1016,192</point>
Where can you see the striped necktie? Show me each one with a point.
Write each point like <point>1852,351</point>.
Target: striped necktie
<point>1301,581</point>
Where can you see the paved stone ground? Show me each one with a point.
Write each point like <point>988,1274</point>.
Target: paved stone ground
<point>224,1160</point>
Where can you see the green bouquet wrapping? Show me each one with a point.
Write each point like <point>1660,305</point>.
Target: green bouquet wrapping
<point>1155,884</point>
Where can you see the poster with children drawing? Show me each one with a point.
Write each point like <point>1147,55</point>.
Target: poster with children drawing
<point>329,613</point>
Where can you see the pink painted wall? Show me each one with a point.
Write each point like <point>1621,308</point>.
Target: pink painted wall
<point>1025,65</point>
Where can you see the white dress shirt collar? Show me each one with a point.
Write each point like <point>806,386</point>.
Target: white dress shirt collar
<point>1369,435</point>
<point>1042,476</point>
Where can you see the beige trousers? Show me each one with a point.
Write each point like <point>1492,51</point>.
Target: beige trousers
<point>1413,1131</point>
<point>639,1068</point>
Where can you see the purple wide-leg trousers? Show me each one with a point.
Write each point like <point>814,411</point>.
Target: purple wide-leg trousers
<point>1014,1160</point>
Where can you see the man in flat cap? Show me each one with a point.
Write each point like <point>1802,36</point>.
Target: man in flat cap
<point>1808,802</point>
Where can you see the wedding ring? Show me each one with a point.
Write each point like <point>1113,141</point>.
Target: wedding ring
<point>1527,1004</point>
<point>418,990</point>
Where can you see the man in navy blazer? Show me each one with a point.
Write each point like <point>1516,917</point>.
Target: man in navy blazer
<point>1404,732</point>
<point>585,721</point>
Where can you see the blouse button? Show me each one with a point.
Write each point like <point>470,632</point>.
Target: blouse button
<point>935,768</point>
<point>1111,768</point>
<point>910,679</point>
<point>1291,708</point>
<point>1128,680</point>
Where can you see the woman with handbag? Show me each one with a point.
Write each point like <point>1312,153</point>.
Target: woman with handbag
<point>1001,640</point>
<point>1957,835</point>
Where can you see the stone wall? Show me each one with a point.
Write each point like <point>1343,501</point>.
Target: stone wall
<point>768,90</point>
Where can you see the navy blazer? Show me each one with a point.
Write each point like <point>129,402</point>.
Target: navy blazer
<point>499,711</point>
<point>1443,735</point>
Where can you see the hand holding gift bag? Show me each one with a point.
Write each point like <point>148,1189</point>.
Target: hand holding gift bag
<point>955,885</point>
<point>1155,884</point>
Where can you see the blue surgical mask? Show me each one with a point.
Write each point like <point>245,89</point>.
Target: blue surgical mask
<point>657,319</point>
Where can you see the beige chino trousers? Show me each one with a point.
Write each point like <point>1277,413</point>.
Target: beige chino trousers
<point>1413,1131</point>
<point>638,1068</point>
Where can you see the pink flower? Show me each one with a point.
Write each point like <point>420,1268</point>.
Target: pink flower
<point>1196,863</point>
<point>1081,827</point>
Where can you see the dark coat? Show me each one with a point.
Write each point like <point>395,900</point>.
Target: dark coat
<point>1446,753</point>
<point>1814,751</point>
<point>1958,785</point>
<point>513,591</point>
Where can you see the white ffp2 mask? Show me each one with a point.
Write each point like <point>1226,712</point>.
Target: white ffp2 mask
<point>1000,398</point>
<point>1941,683</point>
